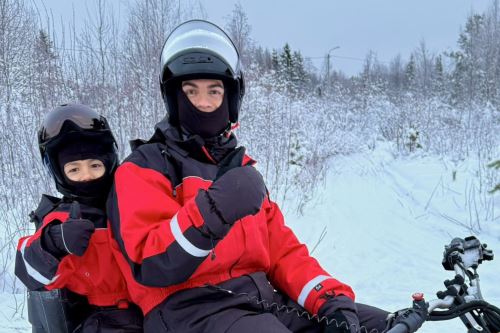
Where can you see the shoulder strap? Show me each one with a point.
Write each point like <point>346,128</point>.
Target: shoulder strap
<point>47,204</point>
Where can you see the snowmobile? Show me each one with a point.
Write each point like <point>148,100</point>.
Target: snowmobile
<point>462,297</point>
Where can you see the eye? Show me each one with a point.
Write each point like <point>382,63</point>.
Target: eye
<point>72,170</point>
<point>190,92</point>
<point>96,164</point>
<point>215,92</point>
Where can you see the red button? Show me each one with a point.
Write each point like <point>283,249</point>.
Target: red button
<point>418,296</point>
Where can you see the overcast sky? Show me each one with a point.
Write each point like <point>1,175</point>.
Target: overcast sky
<point>387,27</point>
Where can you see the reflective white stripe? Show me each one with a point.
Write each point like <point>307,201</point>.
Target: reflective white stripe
<point>33,272</point>
<point>310,286</point>
<point>184,242</point>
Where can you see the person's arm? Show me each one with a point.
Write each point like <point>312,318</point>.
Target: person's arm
<point>163,241</point>
<point>294,271</point>
<point>158,237</point>
<point>41,259</point>
<point>37,267</point>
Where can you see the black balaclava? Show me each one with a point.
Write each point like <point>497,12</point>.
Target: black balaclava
<point>205,124</point>
<point>95,191</point>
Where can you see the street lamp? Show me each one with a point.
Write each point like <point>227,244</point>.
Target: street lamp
<point>328,61</point>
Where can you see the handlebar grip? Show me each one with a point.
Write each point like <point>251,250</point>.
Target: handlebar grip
<point>399,328</point>
<point>409,321</point>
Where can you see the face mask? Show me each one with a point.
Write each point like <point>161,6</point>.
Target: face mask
<point>96,189</point>
<point>204,124</point>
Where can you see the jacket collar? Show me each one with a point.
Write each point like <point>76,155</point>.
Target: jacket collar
<point>210,150</point>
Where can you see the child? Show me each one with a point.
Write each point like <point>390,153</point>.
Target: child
<point>73,280</point>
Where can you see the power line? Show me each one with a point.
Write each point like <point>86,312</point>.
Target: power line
<point>305,57</point>
<point>87,50</point>
<point>343,57</point>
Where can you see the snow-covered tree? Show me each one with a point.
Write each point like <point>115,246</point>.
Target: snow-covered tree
<point>239,30</point>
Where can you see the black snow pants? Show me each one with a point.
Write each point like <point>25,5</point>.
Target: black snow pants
<point>248,304</point>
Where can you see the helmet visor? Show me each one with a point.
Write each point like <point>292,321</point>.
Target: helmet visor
<point>85,119</point>
<point>200,36</point>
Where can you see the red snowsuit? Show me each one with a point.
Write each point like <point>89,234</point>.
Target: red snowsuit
<point>162,250</point>
<point>95,274</point>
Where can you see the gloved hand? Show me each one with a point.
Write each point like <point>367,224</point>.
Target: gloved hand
<point>70,237</point>
<point>342,321</point>
<point>411,318</point>
<point>341,314</point>
<point>239,192</point>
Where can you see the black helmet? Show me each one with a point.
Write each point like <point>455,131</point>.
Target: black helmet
<point>71,124</point>
<point>200,49</point>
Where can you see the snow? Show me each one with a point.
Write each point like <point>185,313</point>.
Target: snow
<point>13,315</point>
<point>387,218</point>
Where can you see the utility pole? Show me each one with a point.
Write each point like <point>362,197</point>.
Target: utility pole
<point>328,61</point>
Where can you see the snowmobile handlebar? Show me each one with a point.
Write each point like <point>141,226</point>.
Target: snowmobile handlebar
<point>462,297</point>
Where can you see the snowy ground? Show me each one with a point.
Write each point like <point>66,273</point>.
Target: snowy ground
<point>386,221</point>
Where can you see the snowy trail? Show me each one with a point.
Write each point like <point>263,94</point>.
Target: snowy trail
<point>385,233</point>
<point>387,221</point>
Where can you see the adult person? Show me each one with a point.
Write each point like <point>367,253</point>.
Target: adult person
<point>202,245</point>
<point>73,280</point>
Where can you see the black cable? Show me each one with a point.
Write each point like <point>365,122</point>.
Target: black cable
<point>463,309</point>
<point>492,320</point>
<point>269,306</point>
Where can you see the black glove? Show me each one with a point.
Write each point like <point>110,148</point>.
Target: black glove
<point>341,315</point>
<point>239,192</point>
<point>70,237</point>
<point>411,318</point>
<point>342,321</point>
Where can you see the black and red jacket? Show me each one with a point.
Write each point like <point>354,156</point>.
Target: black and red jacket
<point>158,230</point>
<point>95,274</point>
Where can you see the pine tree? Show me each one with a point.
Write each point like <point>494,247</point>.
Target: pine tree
<point>300,76</point>
<point>46,72</point>
<point>468,75</point>
<point>291,70</point>
<point>396,78</point>
<point>438,77</point>
<point>286,63</point>
<point>275,63</point>
<point>411,74</point>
